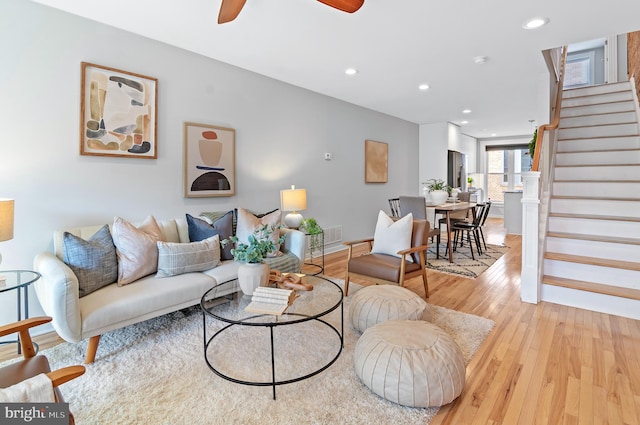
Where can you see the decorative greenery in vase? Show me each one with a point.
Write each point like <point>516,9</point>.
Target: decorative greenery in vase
<point>532,144</point>
<point>258,247</point>
<point>436,184</point>
<point>311,226</point>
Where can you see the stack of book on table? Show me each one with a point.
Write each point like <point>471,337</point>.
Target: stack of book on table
<point>270,300</point>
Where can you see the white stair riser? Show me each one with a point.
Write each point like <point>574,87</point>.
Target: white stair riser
<point>598,131</point>
<point>598,173</point>
<point>597,188</point>
<point>598,158</point>
<point>600,119</point>
<point>618,306</point>
<point>601,144</point>
<point>608,250</point>
<point>596,90</point>
<point>596,274</point>
<point>568,102</point>
<point>602,108</point>
<point>596,207</point>
<point>581,226</point>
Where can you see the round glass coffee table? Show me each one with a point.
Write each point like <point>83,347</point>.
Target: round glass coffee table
<point>247,348</point>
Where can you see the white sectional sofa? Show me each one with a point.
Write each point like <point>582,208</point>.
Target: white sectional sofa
<point>112,307</point>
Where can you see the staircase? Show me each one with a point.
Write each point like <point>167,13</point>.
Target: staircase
<point>592,255</point>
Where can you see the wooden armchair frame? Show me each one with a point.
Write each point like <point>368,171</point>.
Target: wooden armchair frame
<point>404,274</point>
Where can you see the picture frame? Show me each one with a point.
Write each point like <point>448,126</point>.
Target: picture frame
<point>118,113</point>
<point>376,161</point>
<point>209,160</point>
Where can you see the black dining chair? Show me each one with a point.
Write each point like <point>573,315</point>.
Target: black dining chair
<point>394,206</point>
<point>472,229</point>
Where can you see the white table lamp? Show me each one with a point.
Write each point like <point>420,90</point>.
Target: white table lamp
<point>293,200</point>
<point>6,220</point>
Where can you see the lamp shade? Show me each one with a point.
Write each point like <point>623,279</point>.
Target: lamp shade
<point>6,219</point>
<point>293,199</point>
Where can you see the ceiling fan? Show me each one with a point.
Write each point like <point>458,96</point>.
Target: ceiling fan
<point>230,9</point>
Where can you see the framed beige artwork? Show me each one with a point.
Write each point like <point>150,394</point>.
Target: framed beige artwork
<point>209,160</point>
<point>376,159</point>
<point>118,113</point>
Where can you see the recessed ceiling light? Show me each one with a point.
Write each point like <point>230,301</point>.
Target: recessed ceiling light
<point>351,71</point>
<point>480,59</point>
<point>493,134</point>
<point>535,23</point>
<point>466,111</point>
<point>464,122</point>
<point>423,86</point>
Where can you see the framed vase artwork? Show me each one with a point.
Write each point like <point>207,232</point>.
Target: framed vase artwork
<point>209,161</point>
<point>118,113</point>
<point>376,159</point>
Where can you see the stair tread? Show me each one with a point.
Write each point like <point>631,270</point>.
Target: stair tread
<point>600,151</point>
<point>603,262</point>
<point>596,181</point>
<point>600,165</point>
<point>596,198</point>
<point>596,217</point>
<point>595,238</point>
<point>599,288</point>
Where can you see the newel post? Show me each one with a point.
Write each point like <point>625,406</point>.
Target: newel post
<point>530,276</point>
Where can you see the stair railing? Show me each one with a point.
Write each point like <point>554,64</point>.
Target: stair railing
<point>536,186</point>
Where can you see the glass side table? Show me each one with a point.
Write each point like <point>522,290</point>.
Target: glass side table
<point>19,281</point>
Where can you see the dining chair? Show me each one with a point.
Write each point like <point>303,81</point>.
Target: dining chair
<point>484,219</point>
<point>394,206</point>
<point>471,229</point>
<point>417,207</point>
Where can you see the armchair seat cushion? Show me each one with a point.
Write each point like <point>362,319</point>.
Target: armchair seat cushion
<point>380,266</point>
<point>22,370</point>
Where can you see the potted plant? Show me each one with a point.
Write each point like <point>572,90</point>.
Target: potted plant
<point>532,144</point>
<point>438,191</point>
<point>253,272</point>
<point>469,181</point>
<point>313,229</point>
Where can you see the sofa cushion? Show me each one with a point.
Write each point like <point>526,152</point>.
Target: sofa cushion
<point>248,223</point>
<point>178,258</point>
<point>392,236</point>
<point>222,226</point>
<point>136,248</point>
<point>93,261</point>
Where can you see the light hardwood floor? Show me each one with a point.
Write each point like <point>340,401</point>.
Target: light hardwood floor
<point>542,364</point>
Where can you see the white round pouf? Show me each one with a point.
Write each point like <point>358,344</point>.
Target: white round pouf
<point>378,303</point>
<point>410,362</point>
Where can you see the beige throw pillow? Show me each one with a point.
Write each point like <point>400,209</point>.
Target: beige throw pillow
<point>249,223</point>
<point>392,236</point>
<point>178,258</point>
<point>136,248</point>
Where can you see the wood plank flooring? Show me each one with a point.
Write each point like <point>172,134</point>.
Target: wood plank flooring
<point>542,364</point>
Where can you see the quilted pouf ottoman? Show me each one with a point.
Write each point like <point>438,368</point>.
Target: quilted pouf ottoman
<point>410,362</point>
<point>376,304</point>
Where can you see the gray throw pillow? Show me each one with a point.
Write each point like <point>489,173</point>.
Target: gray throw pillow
<point>178,258</point>
<point>93,261</point>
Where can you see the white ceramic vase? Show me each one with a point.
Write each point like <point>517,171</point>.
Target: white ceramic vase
<point>439,197</point>
<point>252,275</point>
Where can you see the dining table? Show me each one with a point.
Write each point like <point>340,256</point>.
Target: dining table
<point>446,210</point>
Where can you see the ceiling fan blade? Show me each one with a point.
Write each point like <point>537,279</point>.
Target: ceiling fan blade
<point>348,6</point>
<point>229,10</point>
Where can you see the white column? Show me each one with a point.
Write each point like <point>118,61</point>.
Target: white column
<point>530,275</point>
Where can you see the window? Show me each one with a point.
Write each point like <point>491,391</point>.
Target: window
<point>505,165</point>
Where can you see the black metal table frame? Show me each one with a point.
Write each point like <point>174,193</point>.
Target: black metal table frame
<point>25,293</point>
<point>320,267</point>
<point>304,318</point>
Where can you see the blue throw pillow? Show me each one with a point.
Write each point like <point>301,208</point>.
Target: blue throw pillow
<point>93,261</point>
<point>200,230</point>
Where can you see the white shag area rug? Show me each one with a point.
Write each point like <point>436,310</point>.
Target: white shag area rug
<point>155,373</point>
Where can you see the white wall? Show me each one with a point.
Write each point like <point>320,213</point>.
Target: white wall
<point>432,153</point>
<point>282,133</point>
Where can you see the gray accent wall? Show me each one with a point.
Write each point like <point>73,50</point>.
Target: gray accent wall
<point>282,133</point>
